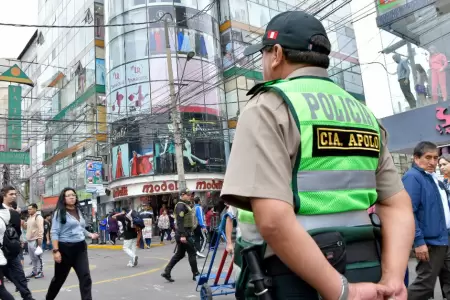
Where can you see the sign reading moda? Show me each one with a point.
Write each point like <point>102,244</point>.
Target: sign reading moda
<point>165,187</point>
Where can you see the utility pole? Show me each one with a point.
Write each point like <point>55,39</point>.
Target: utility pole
<point>175,114</point>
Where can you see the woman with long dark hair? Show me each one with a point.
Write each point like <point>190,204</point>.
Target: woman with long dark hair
<point>5,217</point>
<point>69,246</point>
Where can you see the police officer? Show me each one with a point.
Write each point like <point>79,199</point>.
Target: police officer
<point>186,222</point>
<point>307,156</point>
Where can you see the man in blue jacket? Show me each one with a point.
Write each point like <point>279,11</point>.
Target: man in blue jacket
<point>432,216</point>
<point>200,231</point>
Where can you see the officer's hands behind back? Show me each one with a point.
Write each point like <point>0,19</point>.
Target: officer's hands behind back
<point>369,291</point>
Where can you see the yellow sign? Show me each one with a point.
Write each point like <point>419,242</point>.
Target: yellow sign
<point>344,141</point>
<point>16,75</point>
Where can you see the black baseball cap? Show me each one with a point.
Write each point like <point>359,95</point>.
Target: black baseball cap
<point>292,30</point>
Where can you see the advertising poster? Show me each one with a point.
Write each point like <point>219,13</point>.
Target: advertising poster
<point>100,71</point>
<point>386,5</point>
<point>94,171</point>
<point>138,99</point>
<point>120,162</point>
<point>141,160</point>
<point>117,106</point>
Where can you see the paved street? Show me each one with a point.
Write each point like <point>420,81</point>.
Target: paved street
<point>113,280</point>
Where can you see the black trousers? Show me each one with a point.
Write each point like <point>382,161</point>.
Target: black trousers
<point>4,294</point>
<point>181,250</point>
<point>14,272</point>
<point>199,238</point>
<point>74,255</point>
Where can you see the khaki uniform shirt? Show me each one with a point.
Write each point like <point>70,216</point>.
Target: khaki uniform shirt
<point>265,147</point>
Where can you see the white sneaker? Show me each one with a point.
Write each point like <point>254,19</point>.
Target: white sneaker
<point>130,264</point>
<point>200,255</point>
<point>3,261</point>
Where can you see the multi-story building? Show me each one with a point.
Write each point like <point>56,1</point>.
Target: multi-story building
<point>69,96</point>
<point>210,87</point>
<point>143,166</point>
<point>243,23</point>
<point>417,31</point>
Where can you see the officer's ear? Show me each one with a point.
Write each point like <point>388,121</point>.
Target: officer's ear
<point>277,56</point>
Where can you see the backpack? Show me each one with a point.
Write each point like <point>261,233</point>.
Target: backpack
<point>138,222</point>
<point>11,242</point>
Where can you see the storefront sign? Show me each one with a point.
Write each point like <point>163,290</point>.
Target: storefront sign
<point>137,72</point>
<point>165,187</point>
<point>209,185</point>
<point>160,187</point>
<point>402,11</point>
<point>49,202</point>
<point>444,118</point>
<point>120,192</point>
<point>14,115</point>
<point>94,167</point>
<point>117,78</point>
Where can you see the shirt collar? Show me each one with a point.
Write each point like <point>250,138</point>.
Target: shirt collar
<point>6,206</point>
<point>309,71</point>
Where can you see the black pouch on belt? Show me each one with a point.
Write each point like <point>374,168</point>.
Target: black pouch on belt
<point>332,245</point>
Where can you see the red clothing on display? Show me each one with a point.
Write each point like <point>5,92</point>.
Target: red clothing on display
<point>119,167</point>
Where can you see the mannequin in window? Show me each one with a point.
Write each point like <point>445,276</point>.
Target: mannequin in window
<point>438,64</point>
<point>228,56</point>
<point>119,166</point>
<point>421,90</point>
<point>403,72</point>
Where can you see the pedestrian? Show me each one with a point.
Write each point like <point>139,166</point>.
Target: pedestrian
<point>14,268</point>
<point>430,201</point>
<point>5,217</point>
<point>164,225</point>
<point>130,235</point>
<point>186,222</point>
<point>69,245</point>
<point>200,231</point>
<point>113,228</point>
<point>35,237</point>
<point>47,242</point>
<point>147,232</point>
<point>102,226</point>
<point>307,161</point>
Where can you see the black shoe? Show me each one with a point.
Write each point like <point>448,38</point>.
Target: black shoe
<point>167,277</point>
<point>195,275</point>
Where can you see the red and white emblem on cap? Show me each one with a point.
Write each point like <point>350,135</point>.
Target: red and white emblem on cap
<point>272,34</point>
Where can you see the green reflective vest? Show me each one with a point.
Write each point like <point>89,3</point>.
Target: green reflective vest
<point>340,147</point>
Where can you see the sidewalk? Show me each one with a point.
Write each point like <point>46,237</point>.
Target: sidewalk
<point>119,244</point>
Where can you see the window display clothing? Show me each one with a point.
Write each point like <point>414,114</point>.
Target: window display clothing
<point>186,45</point>
<point>438,63</point>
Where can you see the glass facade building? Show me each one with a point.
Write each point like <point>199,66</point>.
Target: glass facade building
<point>417,30</point>
<point>243,23</point>
<point>69,96</point>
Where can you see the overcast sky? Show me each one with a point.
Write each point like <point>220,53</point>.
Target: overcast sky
<point>14,39</point>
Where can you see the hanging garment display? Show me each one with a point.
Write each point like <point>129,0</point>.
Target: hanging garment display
<point>152,42</point>
<point>192,40</point>
<point>172,39</point>
<point>186,47</point>
<point>197,44</point>
<point>180,40</point>
<point>159,42</point>
<point>203,50</point>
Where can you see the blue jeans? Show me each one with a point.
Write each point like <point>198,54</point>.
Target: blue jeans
<point>14,272</point>
<point>148,242</point>
<point>47,246</point>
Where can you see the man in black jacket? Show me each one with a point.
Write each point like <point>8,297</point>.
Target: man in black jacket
<point>14,270</point>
